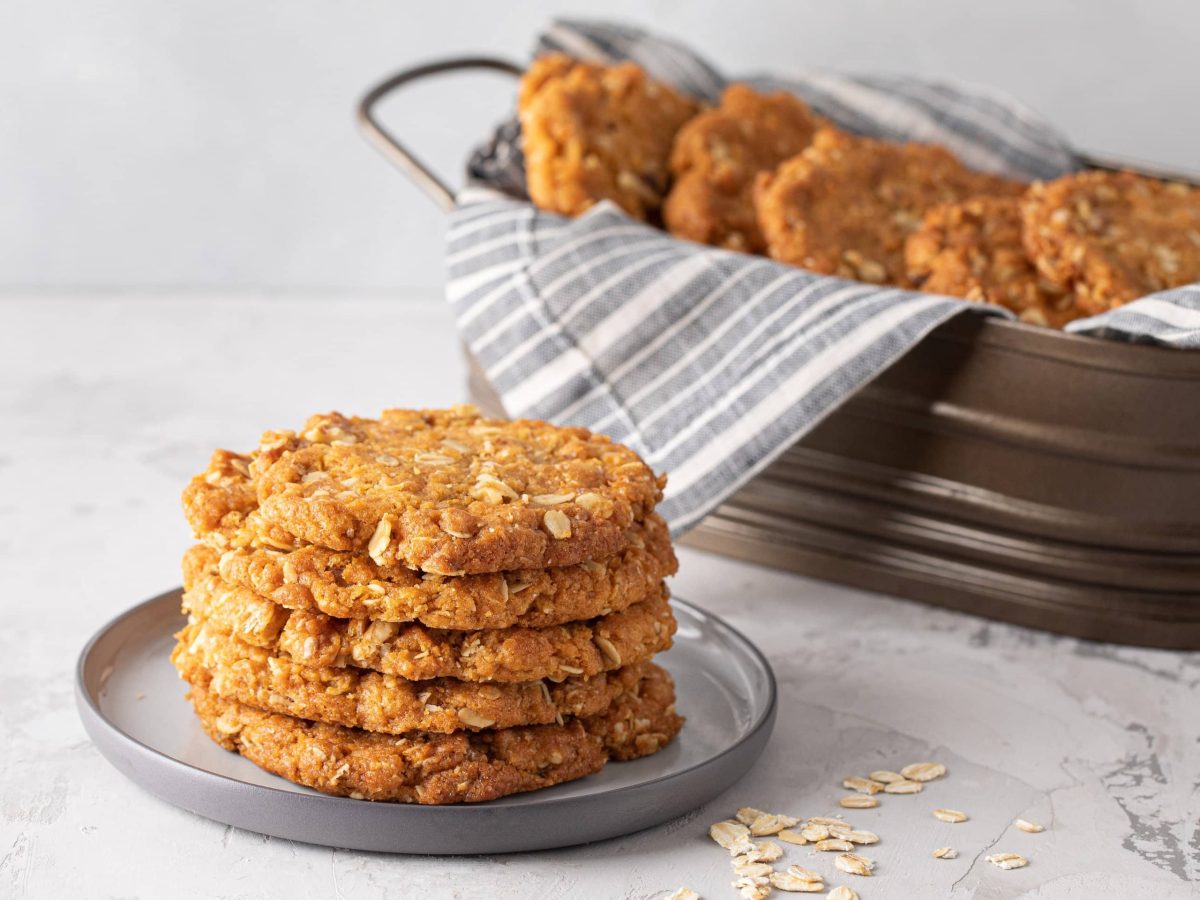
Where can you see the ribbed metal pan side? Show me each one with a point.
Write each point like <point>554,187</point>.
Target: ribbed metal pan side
<point>988,545</point>
<point>884,567</point>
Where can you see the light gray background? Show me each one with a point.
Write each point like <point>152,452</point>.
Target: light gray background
<point>210,144</point>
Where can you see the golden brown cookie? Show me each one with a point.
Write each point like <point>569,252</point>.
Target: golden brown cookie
<point>444,491</point>
<point>593,133</point>
<point>717,156</point>
<point>385,703</point>
<point>464,767</point>
<point>353,586</point>
<point>641,720</point>
<point>221,498</point>
<point>1110,237</point>
<point>974,250</point>
<point>845,205</point>
<point>417,652</point>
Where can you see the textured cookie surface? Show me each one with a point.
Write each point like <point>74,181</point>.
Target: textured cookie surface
<point>594,133</point>
<point>717,156</point>
<point>353,586</point>
<point>845,205</point>
<point>1111,237</point>
<point>974,250</point>
<point>384,703</point>
<point>444,491</point>
<point>417,652</point>
<point>442,768</point>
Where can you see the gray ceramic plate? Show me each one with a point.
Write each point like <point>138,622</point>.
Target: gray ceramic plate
<point>131,702</point>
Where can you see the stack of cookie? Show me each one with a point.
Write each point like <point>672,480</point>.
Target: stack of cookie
<point>431,607</point>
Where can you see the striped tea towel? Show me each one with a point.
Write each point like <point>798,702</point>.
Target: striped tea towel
<point>710,363</point>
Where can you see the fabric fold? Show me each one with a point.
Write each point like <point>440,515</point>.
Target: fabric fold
<point>711,363</point>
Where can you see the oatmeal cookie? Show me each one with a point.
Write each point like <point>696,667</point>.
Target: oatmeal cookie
<point>222,497</point>
<point>1110,237</point>
<point>593,133</point>
<point>464,767</point>
<point>445,491</point>
<point>385,703</point>
<point>354,586</point>
<point>845,205</point>
<point>974,250</point>
<point>716,157</point>
<point>417,652</point>
<point>641,720</point>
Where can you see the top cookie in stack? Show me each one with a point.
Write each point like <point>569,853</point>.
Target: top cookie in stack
<point>486,594</point>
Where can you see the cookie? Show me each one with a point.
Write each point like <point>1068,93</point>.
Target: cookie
<point>593,133</point>
<point>845,205</point>
<point>417,652</point>
<point>974,250</point>
<point>221,498</point>
<point>716,157</point>
<point>384,703</point>
<point>464,767</point>
<point>353,586</point>
<point>445,491</point>
<point>1110,237</point>
<point>578,649</point>
<point>641,720</point>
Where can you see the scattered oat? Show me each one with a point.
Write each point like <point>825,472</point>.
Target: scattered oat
<point>798,880</point>
<point>822,820</point>
<point>684,893</point>
<point>769,823</point>
<point>858,801</point>
<point>805,874</point>
<point>884,776</point>
<point>862,785</point>
<point>1008,860</point>
<point>842,892</point>
<point>747,814</point>
<point>752,880</point>
<point>792,837</point>
<point>814,832</point>
<point>904,787</point>
<point>764,852</point>
<point>830,845</point>
<point>945,853</point>
<point>853,864</point>
<point>753,887</point>
<point>923,771</point>
<point>741,847</point>
<point>952,816</point>
<point>768,851</point>
<point>726,833</point>
<point>1031,827</point>
<point>753,869</point>
<point>857,837</point>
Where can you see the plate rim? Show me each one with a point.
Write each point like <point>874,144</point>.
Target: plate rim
<point>89,708</point>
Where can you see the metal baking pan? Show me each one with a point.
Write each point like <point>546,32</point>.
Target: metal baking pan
<point>1012,471</point>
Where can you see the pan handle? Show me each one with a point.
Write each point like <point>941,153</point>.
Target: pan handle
<point>391,147</point>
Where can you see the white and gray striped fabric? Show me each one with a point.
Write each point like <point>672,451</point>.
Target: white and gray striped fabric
<point>711,363</point>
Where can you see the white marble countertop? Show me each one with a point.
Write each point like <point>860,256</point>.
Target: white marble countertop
<point>112,402</point>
